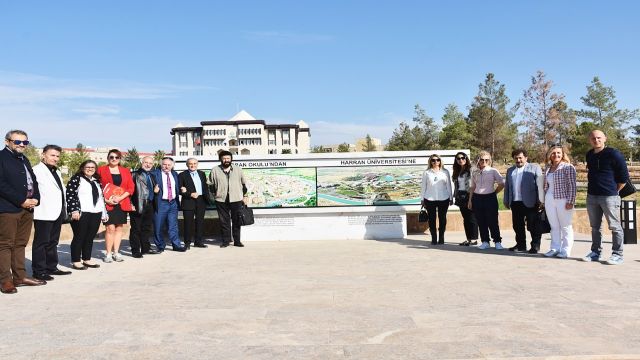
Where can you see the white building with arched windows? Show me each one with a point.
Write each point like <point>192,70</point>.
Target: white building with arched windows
<point>242,134</point>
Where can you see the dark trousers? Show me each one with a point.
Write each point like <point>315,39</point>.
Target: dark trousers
<point>141,230</point>
<point>167,213</point>
<point>469,222</point>
<point>438,208</point>
<point>84,231</point>
<point>189,221</point>
<point>15,229</point>
<point>485,207</point>
<point>522,218</point>
<point>44,250</point>
<point>229,224</point>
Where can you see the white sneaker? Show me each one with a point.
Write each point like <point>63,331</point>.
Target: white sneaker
<point>117,257</point>
<point>615,259</point>
<point>484,246</point>
<point>107,258</point>
<point>562,255</point>
<point>499,246</point>
<point>551,253</point>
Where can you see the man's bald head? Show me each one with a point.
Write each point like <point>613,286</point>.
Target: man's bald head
<point>597,138</point>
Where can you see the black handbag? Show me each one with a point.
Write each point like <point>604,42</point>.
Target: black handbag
<point>246,216</point>
<point>541,223</point>
<point>628,189</point>
<point>423,217</point>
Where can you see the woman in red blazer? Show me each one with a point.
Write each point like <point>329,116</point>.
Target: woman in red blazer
<point>117,186</point>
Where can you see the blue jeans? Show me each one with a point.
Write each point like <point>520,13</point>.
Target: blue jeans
<point>167,214</point>
<point>609,206</point>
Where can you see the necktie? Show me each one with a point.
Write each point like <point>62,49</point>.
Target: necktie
<point>169,190</point>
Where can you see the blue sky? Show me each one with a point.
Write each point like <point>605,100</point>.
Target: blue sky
<point>122,73</point>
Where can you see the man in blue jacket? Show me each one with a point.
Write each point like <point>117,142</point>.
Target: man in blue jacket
<point>166,205</point>
<point>607,174</point>
<point>19,195</point>
<point>524,194</point>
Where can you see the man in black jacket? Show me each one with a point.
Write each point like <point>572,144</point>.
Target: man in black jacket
<point>18,196</point>
<point>195,199</point>
<point>142,217</point>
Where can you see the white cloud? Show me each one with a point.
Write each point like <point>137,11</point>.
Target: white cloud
<point>66,112</point>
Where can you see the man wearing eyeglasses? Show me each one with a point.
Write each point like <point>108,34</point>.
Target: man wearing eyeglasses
<point>523,194</point>
<point>19,195</point>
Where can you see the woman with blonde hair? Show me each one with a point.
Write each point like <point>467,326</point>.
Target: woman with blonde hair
<point>486,183</point>
<point>436,196</point>
<point>559,200</point>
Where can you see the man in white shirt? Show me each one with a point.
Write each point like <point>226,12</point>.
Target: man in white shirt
<point>524,195</point>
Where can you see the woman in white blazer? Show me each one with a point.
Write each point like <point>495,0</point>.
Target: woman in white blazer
<point>48,215</point>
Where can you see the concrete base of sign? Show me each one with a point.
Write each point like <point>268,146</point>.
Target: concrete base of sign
<point>335,223</point>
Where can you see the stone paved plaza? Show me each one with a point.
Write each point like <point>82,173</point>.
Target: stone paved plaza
<point>349,299</point>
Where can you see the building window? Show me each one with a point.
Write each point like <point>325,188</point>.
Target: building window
<point>183,144</point>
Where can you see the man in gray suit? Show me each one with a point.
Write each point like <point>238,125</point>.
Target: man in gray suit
<point>524,195</point>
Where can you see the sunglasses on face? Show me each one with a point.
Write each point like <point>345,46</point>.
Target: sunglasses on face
<point>435,160</point>
<point>485,160</point>
<point>20,142</point>
<point>114,157</point>
<point>461,158</point>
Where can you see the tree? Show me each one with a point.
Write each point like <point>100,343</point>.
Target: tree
<point>317,149</point>
<point>456,133</point>
<point>423,136</point>
<point>32,154</point>
<point>368,144</point>
<point>601,110</point>
<point>158,155</point>
<point>76,158</point>
<point>490,120</point>
<point>566,121</point>
<point>131,159</point>
<point>540,121</point>
<point>579,140</point>
<point>286,151</point>
<point>636,139</point>
<point>344,147</point>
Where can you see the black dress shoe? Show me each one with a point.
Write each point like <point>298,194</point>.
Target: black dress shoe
<point>137,256</point>
<point>238,244</point>
<point>224,245</point>
<point>187,246</point>
<point>45,277</point>
<point>533,251</point>
<point>151,252</point>
<point>180,249</point>
<point>59,272</point>
<point>75,267</point>
<point>200,245</point>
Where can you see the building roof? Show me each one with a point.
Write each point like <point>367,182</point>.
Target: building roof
<point>242,115</point>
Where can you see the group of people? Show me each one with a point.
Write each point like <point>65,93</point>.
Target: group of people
<point>529,191</point>
<point>151,198</point>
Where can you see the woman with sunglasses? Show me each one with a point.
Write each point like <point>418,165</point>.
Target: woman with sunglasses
<point>85,203</point>
<point>559,200</point>
<point>117,185</point>
<point>486,183</point>
<point>436,197</point>
<point>461,179</point>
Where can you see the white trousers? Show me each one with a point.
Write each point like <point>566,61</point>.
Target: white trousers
<point>560,220</point>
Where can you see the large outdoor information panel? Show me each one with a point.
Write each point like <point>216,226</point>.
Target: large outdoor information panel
<point>333,195</point>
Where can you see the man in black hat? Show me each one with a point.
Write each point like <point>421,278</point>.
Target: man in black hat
<point>230,193</point>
